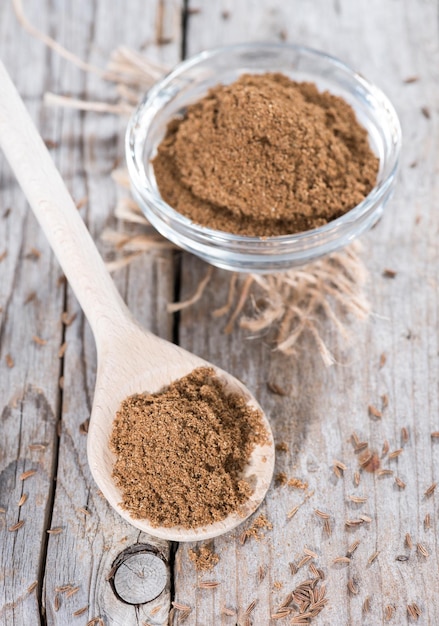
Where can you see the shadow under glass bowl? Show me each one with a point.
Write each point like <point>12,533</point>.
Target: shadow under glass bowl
<point>189,82</point>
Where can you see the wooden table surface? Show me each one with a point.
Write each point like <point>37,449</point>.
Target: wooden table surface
<point>75,549</point>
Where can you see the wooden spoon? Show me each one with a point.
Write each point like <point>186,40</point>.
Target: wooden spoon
<point>130,359</point>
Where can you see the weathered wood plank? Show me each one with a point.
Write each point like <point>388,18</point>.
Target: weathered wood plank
<point>324,407</point>
<point>84,555</point>
<point>31,305</point>
<point>91,536</point>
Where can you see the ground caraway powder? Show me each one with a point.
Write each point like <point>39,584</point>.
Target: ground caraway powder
<point>265,156</point>
<point>181,452</point>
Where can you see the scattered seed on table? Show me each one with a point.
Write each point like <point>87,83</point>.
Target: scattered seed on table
<point>208,584</point>
<point>358,499</point>
<point>422,550</point>
<point>388,612</point>
<point>276,389</point>
<point>262,572</point>
<point>84,510</point>
<point>179,607</point>
<point>369,460</point>
<point>16,526</point>
<point>80,611</point>
<point>361,446</point>
<point>321,514</point>
<point>401,484</point>
<point>227,611</point>
<point>54,531</point>
<point>67,319</point>
<point>430,490</point>
<point>62,350</point>
<point>355,439</point>
<point>410,79</point>
<point>38,340</point>
<point>366,459</point>
<point>357,478</point>
<point>372,557</point>
<point>427,521</point>
<point>22,500</point>
<point>341,466</point>
<point>365,518</point>
<point>304,561</point>
<point>156,609</point>
<point>352,548</point>
<point>395,453</point>
<point>405,434</point>
<point>384,472</point>
<point>250,607</point>
<point>353,587</point>
<point>9,361</point>
<point>435,434</point>
<point>31,296</point>
<point>426,112</point>
<point>366,605</point>
<point>56,603</point>
<point>37,447</point>
<point>383,359</point>
<point>327,528</point>
<point>385,400</point>
<point>408,541</point>
<point>374,412</point>
<point>314,571</point>
<point>83,427</point>
<point>310,553</point>
<point>414,611</point>
<point>389,273</point>
<point>293,568</point>
<point>402,557</point>
<point>341,559</point>
<point>293,511</point>
<point>281,613</point>
<point>351,523</point>
<point>98,621</point>
<point>72,591</point>
<point>32,586</point>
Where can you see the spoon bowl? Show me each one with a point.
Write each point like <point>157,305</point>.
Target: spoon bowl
<point>157,363</point>
<point>130,359</point>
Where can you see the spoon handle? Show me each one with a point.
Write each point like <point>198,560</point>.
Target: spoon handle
<point>57,214</point>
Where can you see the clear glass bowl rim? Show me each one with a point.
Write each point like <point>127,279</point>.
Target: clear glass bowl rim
<point>204,232</point>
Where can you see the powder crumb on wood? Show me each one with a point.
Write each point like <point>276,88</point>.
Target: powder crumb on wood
<point>282,446</point>
<point>204,558</point>
<point>297,483</point>
<point>281,479</point>
<point>255,531</point>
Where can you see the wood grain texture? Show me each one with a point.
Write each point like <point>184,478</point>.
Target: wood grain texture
<point>324,407</point>
<point>389,42</point>
<point>88,147</point>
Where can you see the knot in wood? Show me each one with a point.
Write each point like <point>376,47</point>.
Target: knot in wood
<point>139,574</point>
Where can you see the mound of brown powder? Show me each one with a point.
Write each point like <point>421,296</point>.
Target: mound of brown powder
<point>180,452</point>
<point>265,156</point>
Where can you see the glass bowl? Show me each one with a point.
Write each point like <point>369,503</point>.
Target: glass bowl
<point>189,82</point>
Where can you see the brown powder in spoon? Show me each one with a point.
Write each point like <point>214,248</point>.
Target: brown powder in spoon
<point>181,452</point>
<point>265,156</point>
